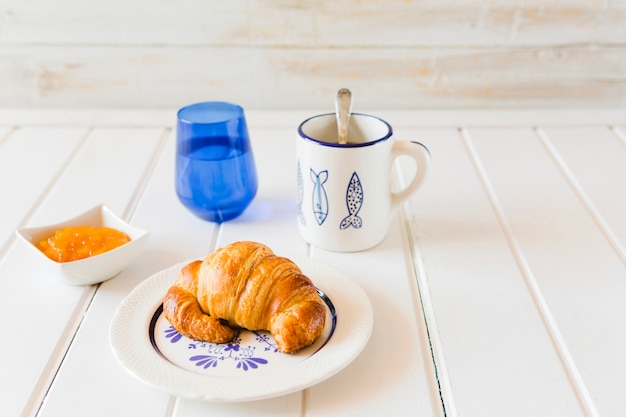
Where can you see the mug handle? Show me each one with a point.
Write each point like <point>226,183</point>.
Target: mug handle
<point>421,155</point>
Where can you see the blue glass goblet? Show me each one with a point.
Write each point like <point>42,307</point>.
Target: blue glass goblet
<point>215,171</point>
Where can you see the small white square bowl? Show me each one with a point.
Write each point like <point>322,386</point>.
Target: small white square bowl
<point>94,269</point>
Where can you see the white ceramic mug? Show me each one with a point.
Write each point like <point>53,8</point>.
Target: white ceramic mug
<point>345,201</point>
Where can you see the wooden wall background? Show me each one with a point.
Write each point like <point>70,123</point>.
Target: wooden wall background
<point>295,54</point>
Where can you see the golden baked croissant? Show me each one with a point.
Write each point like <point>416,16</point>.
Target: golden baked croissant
<point>245,285</point>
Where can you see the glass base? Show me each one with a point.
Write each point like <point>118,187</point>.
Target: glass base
<point>215,215</point>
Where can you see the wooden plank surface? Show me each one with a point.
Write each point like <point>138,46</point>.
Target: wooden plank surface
<point>395,373</point>
<point>78,391</point>
<point>502,279</point>
<point>295,54</point>
<point>290,119</point>
<point>597,175</point>
<point>106,167</point>
<point>274,78</point>
<point>482,310</point>
<point>24,186</point>
<point>399,343</point>
<point>372,24</point>
<point>593,267</point>
<point>555,244</point>
<point>555,207</point>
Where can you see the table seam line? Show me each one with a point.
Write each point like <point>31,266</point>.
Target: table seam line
<point>50,371</point>
<point>558,342</point>
<point>82,308</point>
<point>418,275</point>
<point>135,199</point>
<point>582,196</point>
<point>619,133</point>
<point>4,248</point>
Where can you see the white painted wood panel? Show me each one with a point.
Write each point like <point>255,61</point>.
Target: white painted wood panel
<point>96,175</point>
<point>290,119</point>
<point>597,174</point>
<point>160,212</point>
<point>481,307</point>
<point>286,406</point>
<point>300,78</point>
<point>491,246</point>
<point>394,374</point>
<point>620,131</point>
<point>22,151</point>
<point>296,54</point>
<point>107,167</point>
<point>4,133</point>
<point>41,316</point>
<point>568,257</point>
<point>314,23</point>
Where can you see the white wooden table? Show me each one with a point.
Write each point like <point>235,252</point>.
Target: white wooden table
<point>500,289</point>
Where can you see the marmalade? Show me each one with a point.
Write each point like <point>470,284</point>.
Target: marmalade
<point>74,243</point>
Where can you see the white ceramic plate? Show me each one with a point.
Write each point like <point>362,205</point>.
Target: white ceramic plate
<point>250,367</point>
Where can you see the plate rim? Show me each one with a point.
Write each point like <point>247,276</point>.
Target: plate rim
<point>130,342</point>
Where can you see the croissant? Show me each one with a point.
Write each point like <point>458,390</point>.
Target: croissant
<point>245,285</point>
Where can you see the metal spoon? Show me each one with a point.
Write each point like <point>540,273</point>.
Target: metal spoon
<point>343,108</point>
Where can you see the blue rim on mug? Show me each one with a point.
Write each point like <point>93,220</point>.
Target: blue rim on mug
<point>345,145</point>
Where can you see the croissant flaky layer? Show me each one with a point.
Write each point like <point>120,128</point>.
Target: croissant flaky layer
<point>245,285</point>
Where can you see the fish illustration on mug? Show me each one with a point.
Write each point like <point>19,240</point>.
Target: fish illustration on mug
<point>354,201</point>
<point>320,199</point>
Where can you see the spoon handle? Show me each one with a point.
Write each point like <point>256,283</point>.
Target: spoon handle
<point>343,108</point>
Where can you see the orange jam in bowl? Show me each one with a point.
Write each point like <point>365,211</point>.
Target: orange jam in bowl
<point>74,243</point>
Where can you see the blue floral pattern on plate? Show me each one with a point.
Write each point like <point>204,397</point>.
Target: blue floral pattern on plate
<point>249,351</point>
<point>217,354</point>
